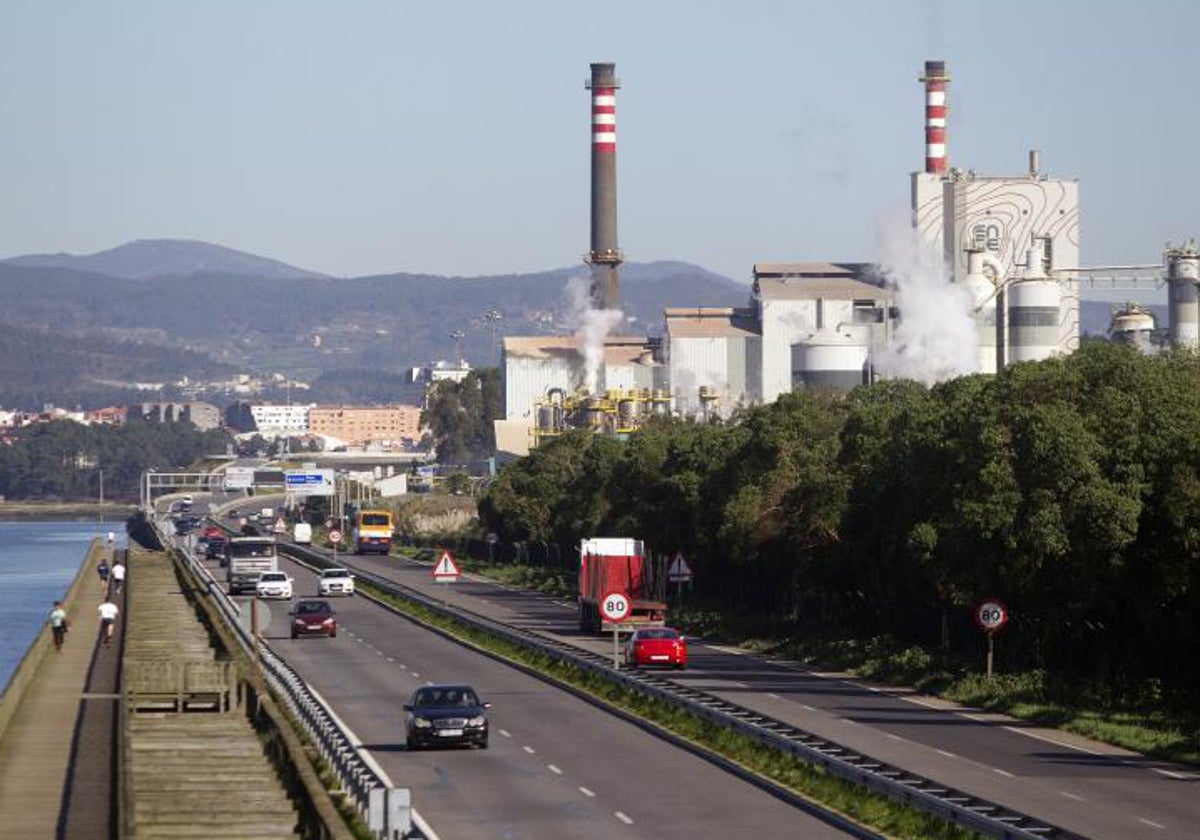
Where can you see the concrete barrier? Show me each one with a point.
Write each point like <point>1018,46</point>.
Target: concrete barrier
<point>14,692</point>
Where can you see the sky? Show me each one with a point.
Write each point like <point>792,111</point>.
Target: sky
<point>370,136</point>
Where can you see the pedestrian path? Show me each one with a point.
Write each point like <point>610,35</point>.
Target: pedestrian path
<point>37,745</point>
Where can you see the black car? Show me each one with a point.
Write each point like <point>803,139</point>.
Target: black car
<point>214,549</point>
<point>446,714</point>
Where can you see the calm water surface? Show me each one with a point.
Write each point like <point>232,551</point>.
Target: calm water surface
<point>38,561</point>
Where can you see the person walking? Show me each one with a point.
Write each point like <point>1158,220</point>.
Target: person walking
<point>118,576</point>
<point>102,571</point>
<point>58,624</point>
<point>108,617</point>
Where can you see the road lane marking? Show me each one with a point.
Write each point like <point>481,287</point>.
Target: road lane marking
<point>505,733</point>
<point>775,696</point>
<point>1150,823</point>
<point>1003,773</point>
<point>893,737</point>
<point>553,769</point>
<point>622,818</point>
<point>1171,774</point>
<point>807,708</point>
<point>947,754</point>
<point>390,659</point>
<point>529,750</point>
<point>851,722</point>
<point>586,792</point>
<point>1071,796</point>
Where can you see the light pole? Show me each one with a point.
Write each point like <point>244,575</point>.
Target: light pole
<point>458,336</point>
<point>102,487</point>
<point>493,317</point>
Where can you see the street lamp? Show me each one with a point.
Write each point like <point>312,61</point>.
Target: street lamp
<point>493,317</point>
<point>458,336</point>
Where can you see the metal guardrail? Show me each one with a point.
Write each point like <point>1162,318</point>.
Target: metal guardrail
<point>386,810</point>
<point>988,818</point>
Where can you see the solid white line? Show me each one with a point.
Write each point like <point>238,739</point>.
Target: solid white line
<point>851,722</point>
<point>622,818</point>
<point>1072,796</point>
<point>947,754</point>
<point>1171,774</point>
<point>1003,773</point>
<point>553,769</point>
<point>529,750</point>
<point>773,695</point>
<point>1039,737</point>
<point>893,737</point>
<point>807,708</point>
<point>586,792</point>
<point>1150,823</point>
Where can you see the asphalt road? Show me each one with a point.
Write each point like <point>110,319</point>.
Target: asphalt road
<point>1089,788</point>
<point>557,767</point>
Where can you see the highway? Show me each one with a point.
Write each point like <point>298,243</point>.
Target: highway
<point>557,767</point>
<point>1089,788</point>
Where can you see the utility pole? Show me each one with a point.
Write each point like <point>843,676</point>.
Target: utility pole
<point>101,486</point>
<point>493,317</point>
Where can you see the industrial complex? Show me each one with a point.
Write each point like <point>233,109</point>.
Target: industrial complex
<point>991,277</point>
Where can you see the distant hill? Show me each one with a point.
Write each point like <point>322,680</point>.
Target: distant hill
<point>166,258</point>
<point>349,328</point>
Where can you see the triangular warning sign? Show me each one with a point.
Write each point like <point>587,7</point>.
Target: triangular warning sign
<point>280,526</point>
<point>445,568</point>
<point>679,571</point>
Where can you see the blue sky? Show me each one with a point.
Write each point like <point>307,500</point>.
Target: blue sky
<point>364,136</point>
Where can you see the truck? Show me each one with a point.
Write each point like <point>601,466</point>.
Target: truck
<point>246,558</point>
<point>372,531</point>
<point>620,564</point>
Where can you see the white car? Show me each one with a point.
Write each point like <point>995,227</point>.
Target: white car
<point>273,585</point>
<point>335,582</point>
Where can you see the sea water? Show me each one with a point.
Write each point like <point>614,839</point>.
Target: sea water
<point>38,561</point>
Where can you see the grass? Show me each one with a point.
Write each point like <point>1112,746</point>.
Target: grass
<point>851,800</point>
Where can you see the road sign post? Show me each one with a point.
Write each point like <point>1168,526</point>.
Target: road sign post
<point>679,573</point>
<point>445,571</point>
<point>991,616</point>
<point>614,607</point>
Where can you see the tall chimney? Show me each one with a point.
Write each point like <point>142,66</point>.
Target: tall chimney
<point>604,256</point>
<point>935,79</point>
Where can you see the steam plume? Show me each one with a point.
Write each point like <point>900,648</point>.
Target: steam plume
<point>591,327</point>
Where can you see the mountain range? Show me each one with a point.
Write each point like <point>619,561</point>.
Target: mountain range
<point>162,310</point>
<point>221,311</point>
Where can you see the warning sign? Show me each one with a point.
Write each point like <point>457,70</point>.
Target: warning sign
<point>679,571</point>
<point>280,526</point>
<point>445,570</point>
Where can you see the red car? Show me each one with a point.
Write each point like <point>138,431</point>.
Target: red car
<point>313,617</point>
<point>656,646</point>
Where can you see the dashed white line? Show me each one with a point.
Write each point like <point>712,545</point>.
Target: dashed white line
<point>622,817</point>
<point>1150,823</point>
<point>1003,773</point>
<point>586,792</point>
<point>505,733</point>
<point>529,750</point>
<point>553,769</point>
<point>774,695</point>
<point>807,708</point>
<point>1073,796</point>
<point>893,737</point>
<point>415,674</point>
<point>390,659</point>
<point>947,754</point>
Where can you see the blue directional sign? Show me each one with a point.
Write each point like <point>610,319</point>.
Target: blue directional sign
<point>309,482</point>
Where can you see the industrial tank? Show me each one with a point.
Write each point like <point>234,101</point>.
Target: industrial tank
<point>1033,314</point>
<point>829,359</point>
<point>1133,326</point>
<point>1183,272</point>
<point>983,309</point>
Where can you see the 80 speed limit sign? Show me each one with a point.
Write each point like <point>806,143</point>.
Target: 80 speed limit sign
<point>991,615</point>
<point>614,607</point>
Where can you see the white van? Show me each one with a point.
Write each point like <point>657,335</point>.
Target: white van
<point>302,533</point>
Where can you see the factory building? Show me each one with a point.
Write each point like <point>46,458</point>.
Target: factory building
<point>714,359</point>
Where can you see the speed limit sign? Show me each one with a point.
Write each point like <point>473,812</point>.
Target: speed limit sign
<point>614,607</point>
<point>335,536</point>
<point>991,615</point>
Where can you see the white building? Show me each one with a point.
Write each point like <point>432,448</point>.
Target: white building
<point>280,418</point>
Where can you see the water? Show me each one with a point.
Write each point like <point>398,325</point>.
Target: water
<point>38,561</point>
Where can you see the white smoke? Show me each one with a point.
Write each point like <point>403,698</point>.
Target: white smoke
<point>591,326</point>
<point>936,337</point>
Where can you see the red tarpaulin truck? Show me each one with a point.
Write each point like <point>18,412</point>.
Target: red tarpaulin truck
<point>620,564</point>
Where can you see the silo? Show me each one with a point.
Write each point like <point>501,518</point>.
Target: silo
<point>829,359</point>
<point>983,309</point>
<point>1033,313</point>
<point>1133,326</point>
<point>1183,272</point>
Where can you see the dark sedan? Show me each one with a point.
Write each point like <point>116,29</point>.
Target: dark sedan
<point>313,617</point>
<point>446,714</point>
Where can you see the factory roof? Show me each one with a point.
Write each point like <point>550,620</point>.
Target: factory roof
<point>618,349</point>
<point>812,269</point>
<point>829,288</point>
<point>711,322</point>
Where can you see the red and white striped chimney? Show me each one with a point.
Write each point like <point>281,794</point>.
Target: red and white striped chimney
<point>936,79</point>
<point>604,256</point>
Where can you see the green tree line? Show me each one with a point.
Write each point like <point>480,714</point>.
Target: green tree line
<point>62,460</point>
<point>1069,489</point>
